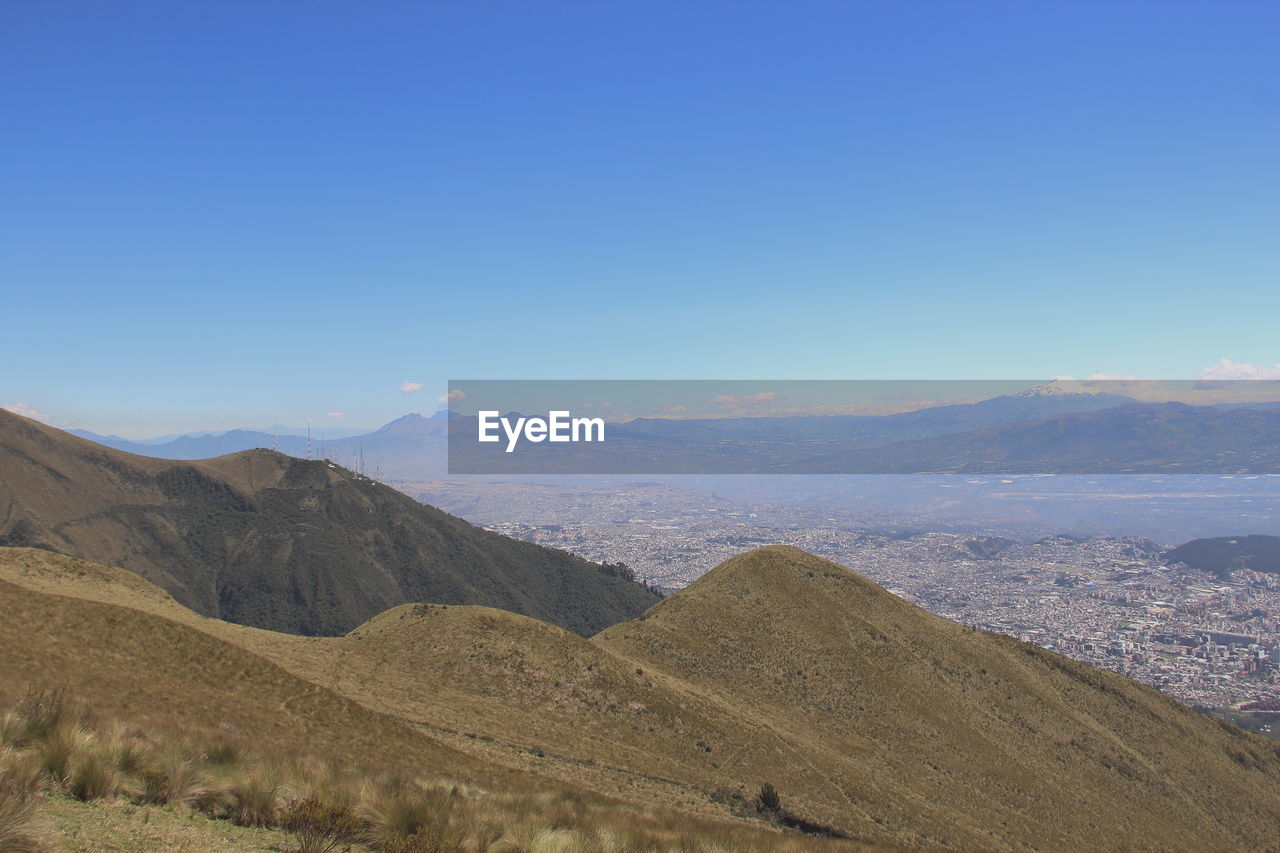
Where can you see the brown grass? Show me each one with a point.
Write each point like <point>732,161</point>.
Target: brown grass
<point>867,715</point>
<point>256,797</point>
<point>320,803</point>
<point>20,830</point>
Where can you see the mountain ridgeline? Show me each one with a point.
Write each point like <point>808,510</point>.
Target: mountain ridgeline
<point>410,446</point>
<point>292,545</point>
<point>1026,433</point>
<point>867,716</point>
<point>998,436</point>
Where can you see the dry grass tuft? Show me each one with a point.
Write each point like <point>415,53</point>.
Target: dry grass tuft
<point>257,796</point>
<point>39,714</point>
<point>19,826</point>
<point>54,749</point>
<point>58,748</point>
<point>408,819</point>
<point>224,750</point>
<point>20,771</point>
<point>125,746</point>
<point>174,775</point>
<point>11,727</point>
<point>93,775</point>
<point>321,827</point>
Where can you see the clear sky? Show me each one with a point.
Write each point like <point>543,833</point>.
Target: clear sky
<point>215,214</point>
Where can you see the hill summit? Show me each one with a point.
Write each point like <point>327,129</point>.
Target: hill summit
<point>972,739</point>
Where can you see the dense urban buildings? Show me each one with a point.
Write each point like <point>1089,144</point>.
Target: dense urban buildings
<point>1107,601</point>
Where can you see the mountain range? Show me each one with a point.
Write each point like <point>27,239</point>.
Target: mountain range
<point>1136,438</point>
<point>1063,433</point>
<point>1130,438</point>
<point>269,540</point>
<point>880,429</point>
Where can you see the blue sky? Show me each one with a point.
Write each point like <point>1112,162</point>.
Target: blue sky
<point>219,214</point>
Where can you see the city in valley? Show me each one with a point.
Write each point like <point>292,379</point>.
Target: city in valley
<point>1111,601</point>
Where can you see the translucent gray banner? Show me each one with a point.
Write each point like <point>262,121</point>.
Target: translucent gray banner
<point>1061,426</point>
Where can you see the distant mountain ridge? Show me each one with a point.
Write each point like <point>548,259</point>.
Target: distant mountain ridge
<point>1007,435</point>
<point>268,540</point>
<point>205,444</point>
<point>410,446</point>
<point>1033,434</point>
<point>414,433</point>
<point>875,430</point>
<point>1134,438</point>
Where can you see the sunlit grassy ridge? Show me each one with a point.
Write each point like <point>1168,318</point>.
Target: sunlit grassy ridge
<point>868,716</point>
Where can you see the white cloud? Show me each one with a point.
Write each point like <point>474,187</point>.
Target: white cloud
<point>26,411</point>
<point>1228,369</point>
<point>336,416</point>
<point>410,387</point>
<point>454,396</point>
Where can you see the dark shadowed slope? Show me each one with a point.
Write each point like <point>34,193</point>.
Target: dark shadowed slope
<point>276,542</point>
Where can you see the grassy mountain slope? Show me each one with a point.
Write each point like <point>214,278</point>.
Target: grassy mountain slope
<point>152,670</point>
<point>868,714</point>
<point>507,690</point>
<point>131,652</point>
<point>926,727</point>
<point>272,541</point>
